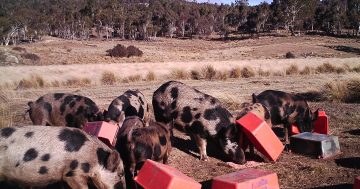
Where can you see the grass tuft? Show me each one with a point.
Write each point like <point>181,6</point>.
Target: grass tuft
<point>292,70</point>
<point>34,81</point>
<point>343,91</point>
<point>208,72</point>
<point>247,72</point>
<point>235,72</point>
<point>108,78</point>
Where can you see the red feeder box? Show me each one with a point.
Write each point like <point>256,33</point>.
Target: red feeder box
<point>321,125</point>
<point>154,175</point>
<point>247,178</point>
<point>261,135</point>
<point>357,183</point>
<point>105,131</point>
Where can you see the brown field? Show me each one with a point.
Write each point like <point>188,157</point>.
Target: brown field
<point>61,60</point>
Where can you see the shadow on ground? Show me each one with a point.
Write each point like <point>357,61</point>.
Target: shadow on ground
<point>350,162</point>
<point>339,186</point>
<point>347,49</point>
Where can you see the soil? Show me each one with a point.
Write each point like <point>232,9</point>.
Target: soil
<point>293,170</point>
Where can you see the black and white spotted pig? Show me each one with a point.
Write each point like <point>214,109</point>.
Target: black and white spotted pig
<point>61,109</point>
<point>287,109</point>
<point>200,115</point>
<point>40,155</point>
<point>131,103</point>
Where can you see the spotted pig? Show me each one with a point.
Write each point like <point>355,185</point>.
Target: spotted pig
<point>287,109</point>
<point>200,115</point>
<point>131,103</point>
<point>61,109</point>
<point>40,155</point>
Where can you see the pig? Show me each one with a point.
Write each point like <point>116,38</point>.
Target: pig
<point>62,109</point>
<point>287,109</point>
<point>38,155</point>
<point>201,116</point>
<point>137,142</point>
<point>131,103</point>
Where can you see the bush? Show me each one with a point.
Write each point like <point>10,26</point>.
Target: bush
<point>235,72</point>
<point>247,72</point>
<point>118,51</point>
<point>208,72</point>
<point>292,70</point>
<point>289,55</point>
<point>344,91</point>
<point>133,51</point>
<point>326,68</point>
<point>31,56</point>
<point>108,78</point>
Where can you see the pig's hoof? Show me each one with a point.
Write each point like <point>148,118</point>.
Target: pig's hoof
<point>204,158</point>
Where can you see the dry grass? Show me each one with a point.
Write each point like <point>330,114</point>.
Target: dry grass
<point>5,114</point>
<point>178,74</point>
<point>222,75</point>
<point>31,56</point>
<point>235,72</point>
<point>348,91</point>
<point>292,70</point>
<point>77,82</point>
<point>306,71</point>
<point>195,75</point>
<point>326,68</point>
<point>208,72</point>
<point>34,81</point>
<point>278,73</point>
<point>20,49</point>
<point>108,78</point>
<point>263,73</point>
<point>150,76</point>
<point>356,69</point>
<point>132,78</point>
<point>247,72</point>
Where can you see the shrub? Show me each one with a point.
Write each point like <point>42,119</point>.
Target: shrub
<point>306,71</point>
<point>208,72</point>
<point>343,91</point>
<point>235,72</point>
<point>34,81</point>
<point>292,70</point>
<point>108,78</point>
<point>289,55</point>
<point>31,56</point>
<point>178,74</point>
<point>133,51</point>
<point>247,72</point>
<point>118,51</point>
<point>326,68</point>
<point>150,76</point>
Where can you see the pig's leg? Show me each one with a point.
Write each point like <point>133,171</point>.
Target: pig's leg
<point>201,143</point>
<point>76,182</point>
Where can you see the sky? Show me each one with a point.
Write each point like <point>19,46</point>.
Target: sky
<point>251,2</point>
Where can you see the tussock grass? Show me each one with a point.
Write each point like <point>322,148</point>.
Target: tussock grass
<point>263,73</point>
<point>5,113</point>
<point>77,82</point>
<point>132,78</point>
<point>108,78</point>
<point>235,72</point>
<point>178,74</point>
<point>150,76</point>
<point>325,68</point>
<point>343,91</point>
<point>222,75</point>
<point>20,49</point>
<point>208,72</point>
<point>34,81</point>
<point>278,73</point>
<point>31,56</point>
<point>195,75</point>
<point>247,72</point>
<point>292,70</point>
<point>356,69</point>
<point>306,71</point>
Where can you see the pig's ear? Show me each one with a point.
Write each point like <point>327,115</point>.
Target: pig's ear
<point>113,161</point>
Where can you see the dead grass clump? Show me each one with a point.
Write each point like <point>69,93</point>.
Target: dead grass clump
<point>133,51</point>
<point>356,69</point>
<point>343,91</point>
<point>108,78</point>
<point>235,72</point>
<point>208,72</point>
<point>55,83</point>
<point>118,51</point>
<point>5,113</point>
<point>292,70</point>
<point>76,82</point>
<point>150,76</point>
<point>34,81</point>
<point>222,75</point>
<point>20,49</point>
<point>306,71</point>
<point>325,68</point>
<point>340,70</point>
<point>132,78</point>
<point>247,72</point>
<point>195,75</point>
<point>290,55</point>
<point>263,73</point>
<point>31,56</point>
<point>278,73</point>
<point>179,74</point>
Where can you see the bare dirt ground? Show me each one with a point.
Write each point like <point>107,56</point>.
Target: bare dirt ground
<point>294,171</point>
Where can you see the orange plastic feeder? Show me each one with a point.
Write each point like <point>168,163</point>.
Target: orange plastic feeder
<point>357,183</point>
<point>154,175</point>
<point>261,135</point>
<point>105,131</point>
<point>247,178</point>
